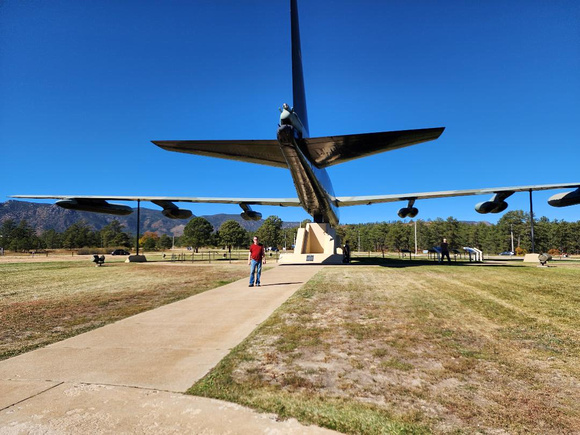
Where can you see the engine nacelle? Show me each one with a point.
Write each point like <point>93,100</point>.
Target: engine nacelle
<point>491,207</point>
<point>408,212</point>
<point>251,215</point>
<point>565,199</point>
<point>177,213</point>
<point>95,206</point>
<point>501,206</point>
<point>171,211</point>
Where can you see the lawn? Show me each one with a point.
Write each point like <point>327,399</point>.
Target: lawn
<point>411,347</point>
<point>42,302</point>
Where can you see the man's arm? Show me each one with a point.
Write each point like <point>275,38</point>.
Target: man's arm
<point>263,255</point>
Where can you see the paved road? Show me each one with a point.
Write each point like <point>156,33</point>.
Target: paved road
<point>128,377</point>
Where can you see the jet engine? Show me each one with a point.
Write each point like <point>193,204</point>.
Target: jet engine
<point>491,207</point>
<point>565,199</point>
<point>171,211</point>
<point>408,212</point>
<point>177,213</point>
<point>94,206</point>
<point>251,215</point>
<point>496,204</point>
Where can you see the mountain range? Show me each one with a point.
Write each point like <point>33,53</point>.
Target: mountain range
<point>49,216</point>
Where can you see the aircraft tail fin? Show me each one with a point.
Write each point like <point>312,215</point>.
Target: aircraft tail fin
<point>298,92</point>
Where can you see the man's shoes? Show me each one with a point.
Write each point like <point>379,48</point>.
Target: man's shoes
<point>251,285</point>
<point>258,285</point>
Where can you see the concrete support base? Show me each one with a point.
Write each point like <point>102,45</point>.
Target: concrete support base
<point>315,244</point>
<point>136,259</point>
<point>531,258</point>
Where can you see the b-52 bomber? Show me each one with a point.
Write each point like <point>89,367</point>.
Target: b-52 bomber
<point>307,159</point>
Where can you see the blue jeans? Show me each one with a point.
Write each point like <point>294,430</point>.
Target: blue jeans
<point>255,268</point>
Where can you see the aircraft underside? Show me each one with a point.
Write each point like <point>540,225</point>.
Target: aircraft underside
<point>310,187</point>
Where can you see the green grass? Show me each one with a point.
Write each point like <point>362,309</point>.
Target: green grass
<point>385,346</point>
<point>45,302</point>
<point>416,349</point>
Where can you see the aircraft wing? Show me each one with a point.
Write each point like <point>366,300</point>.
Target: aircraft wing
<point>331,150</point>
<point>99,204</point>
<point>283,202</point>
<point>264,152</point>
<point>343,201</point>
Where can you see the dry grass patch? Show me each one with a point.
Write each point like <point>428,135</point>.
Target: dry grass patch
<point>442,349</point>
<point>41,303</point>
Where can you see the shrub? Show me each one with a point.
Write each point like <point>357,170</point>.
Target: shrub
<point>90,251</point>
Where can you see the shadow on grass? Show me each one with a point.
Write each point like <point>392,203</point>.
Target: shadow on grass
<point>400,262</point>
<point>282,283</point>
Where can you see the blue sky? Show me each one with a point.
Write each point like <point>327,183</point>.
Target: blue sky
<point>85,86</point>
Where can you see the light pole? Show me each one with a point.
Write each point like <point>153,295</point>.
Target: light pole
<point>138,224</point>
<point>532,223</point>
<point>512,235</point>
<point>415,237</point>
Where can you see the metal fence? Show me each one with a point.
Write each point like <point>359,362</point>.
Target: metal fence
<point>215,256</point>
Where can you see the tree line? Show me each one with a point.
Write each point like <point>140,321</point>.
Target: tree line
<point>21,236</point>
<point>199,232</point>
<point>550,236</point>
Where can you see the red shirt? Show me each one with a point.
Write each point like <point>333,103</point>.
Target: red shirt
<point>257,252</point>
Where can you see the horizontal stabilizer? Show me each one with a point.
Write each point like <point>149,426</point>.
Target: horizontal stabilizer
<point>331,150</point>
<point>264,152</point>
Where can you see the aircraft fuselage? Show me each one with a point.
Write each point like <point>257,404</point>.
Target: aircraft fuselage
<point>312,184</point>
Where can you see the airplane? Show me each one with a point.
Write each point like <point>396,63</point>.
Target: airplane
<point>307,159</point>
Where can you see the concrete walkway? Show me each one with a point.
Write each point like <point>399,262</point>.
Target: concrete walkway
<point>128,377</point>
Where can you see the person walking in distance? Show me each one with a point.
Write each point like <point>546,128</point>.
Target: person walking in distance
<point>445,251</point>
<point>346,253</point>
<point>256,257</point>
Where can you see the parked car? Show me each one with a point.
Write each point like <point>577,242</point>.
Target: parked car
<point>507,253</point>
<point>120,252</point>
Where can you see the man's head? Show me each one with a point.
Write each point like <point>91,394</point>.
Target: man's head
<point>256,240</point>
<point>444,240</point>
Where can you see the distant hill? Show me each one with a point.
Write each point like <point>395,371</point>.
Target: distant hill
<point>49,216</point>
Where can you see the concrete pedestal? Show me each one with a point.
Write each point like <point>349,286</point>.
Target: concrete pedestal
<point>315,244</point>
<point>136,259</point>
<point>531,258</point>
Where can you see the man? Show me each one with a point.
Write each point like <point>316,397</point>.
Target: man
<point>255,259</point>
<point>445,251</point>
<point>346,253</point>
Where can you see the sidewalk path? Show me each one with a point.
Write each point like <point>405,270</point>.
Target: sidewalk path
<point>128,377</point>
